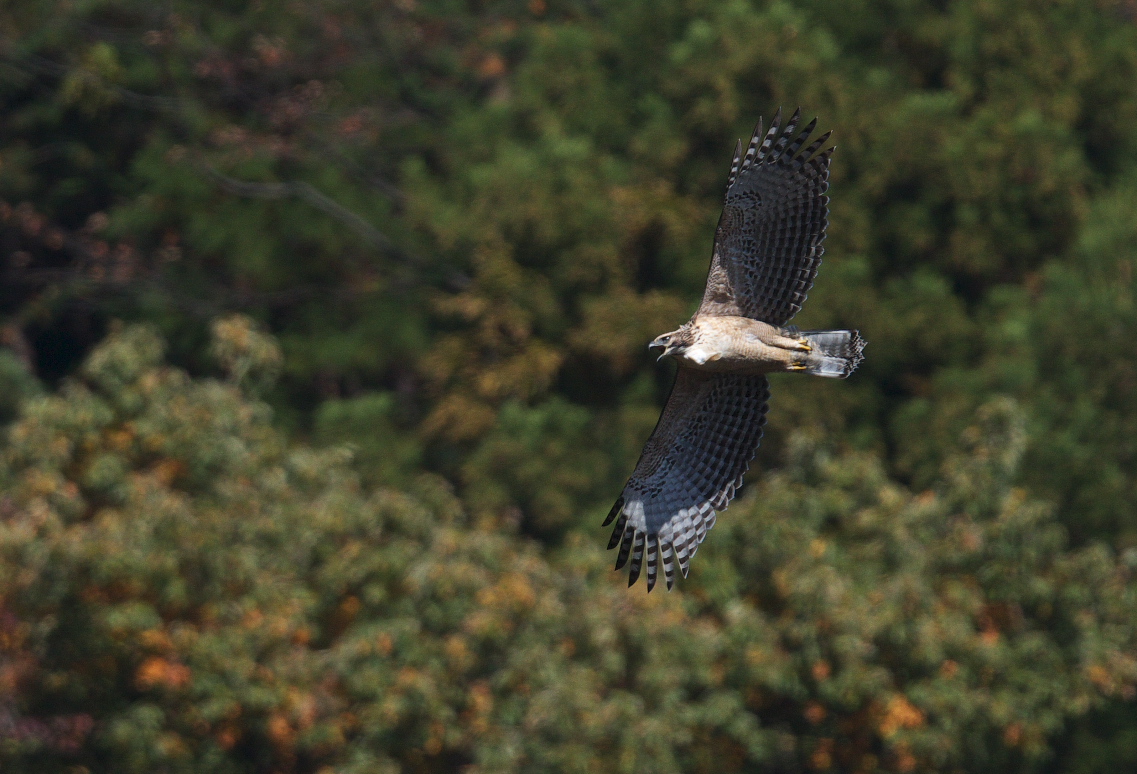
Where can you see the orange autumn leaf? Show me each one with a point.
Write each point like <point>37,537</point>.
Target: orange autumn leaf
<point>158,671</point>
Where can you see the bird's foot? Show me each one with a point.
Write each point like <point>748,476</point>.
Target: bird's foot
<point>804,346</point>
<point>798,366</point>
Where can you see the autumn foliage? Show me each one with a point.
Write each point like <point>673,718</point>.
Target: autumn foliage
<point>323,356</point>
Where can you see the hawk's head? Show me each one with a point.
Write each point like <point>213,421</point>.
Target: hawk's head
<point>674,343</point>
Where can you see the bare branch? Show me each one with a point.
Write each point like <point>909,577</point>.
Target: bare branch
<point>38,65</point>
<point>309,194</point>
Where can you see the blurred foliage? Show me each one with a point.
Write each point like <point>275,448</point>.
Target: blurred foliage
<point>435,237</point>
<point>302,621</point>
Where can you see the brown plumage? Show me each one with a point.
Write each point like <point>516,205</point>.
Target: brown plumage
<point>766,254</point>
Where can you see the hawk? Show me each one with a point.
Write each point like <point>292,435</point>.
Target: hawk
<point>766,254</point>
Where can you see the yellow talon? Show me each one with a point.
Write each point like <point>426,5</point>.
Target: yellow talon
<point>805,346</point>
<point>798,367</point>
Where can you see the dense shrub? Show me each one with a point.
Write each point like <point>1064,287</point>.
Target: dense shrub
<point>184,591</point>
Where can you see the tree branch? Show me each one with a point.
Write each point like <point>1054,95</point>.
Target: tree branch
<point>309,194</point>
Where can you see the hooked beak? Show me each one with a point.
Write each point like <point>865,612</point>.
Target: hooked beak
<point>665,347</point>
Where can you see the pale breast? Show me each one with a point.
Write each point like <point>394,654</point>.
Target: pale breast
<point>735,344</point>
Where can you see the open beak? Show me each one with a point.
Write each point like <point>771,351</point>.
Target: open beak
<point>659,344</point>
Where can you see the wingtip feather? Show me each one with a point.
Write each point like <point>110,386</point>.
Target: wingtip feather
<point>637,559</point>
<point>652,561</point>
<point>614,512</point>
<point>618,531</point>
<point>784,138</point>
<point>625,549</point>
<point>667,559</point>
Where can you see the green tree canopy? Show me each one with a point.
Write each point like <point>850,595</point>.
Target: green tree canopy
<point>449,230</point>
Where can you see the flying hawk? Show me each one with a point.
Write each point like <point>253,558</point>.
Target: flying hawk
<point>766,254</point>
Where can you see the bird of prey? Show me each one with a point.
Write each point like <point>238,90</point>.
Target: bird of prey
<point>766,254</point>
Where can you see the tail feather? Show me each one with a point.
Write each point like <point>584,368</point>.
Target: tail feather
<point>836,354</point>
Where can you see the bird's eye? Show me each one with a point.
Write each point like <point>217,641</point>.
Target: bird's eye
<point>665,339</point>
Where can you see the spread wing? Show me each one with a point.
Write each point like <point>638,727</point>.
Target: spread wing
<point>768,244</point>
<point>690,468</point>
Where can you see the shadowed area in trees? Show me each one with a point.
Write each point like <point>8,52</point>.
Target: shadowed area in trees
<point>323,355</point>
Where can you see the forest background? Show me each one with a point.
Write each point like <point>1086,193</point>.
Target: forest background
<point>324,332</point>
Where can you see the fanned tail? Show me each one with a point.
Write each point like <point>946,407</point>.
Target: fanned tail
<point>836,354</point>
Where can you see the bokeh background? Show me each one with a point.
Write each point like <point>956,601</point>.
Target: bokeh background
<point>323,357</point>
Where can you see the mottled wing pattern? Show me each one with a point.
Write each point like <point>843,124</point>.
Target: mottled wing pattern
<point>690,467</point>
<point>768,244</point>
